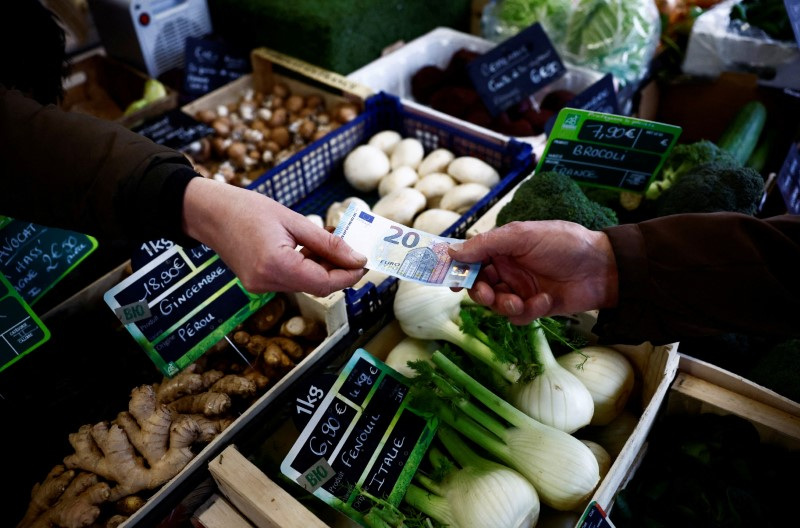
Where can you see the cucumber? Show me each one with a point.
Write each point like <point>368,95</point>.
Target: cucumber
<point>741,135</point>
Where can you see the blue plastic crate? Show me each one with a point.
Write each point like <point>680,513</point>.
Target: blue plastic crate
<point>313,178</point>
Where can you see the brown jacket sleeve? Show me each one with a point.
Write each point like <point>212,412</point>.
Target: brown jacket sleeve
<point>79,172</point>
<point>699,274</point>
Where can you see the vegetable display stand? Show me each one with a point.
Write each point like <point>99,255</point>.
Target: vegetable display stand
<point>92,387</point>
<point>313,179</point>
<point>654,367</point>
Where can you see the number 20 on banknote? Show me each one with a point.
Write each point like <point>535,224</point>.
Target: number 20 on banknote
<point>404,252</point>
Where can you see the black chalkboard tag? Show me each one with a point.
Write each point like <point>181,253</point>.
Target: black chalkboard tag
<point>515,69</point>
<point>174,129</point>
<point>21,330</point>
<point>362,441</point>
<point>180,304</point>
<point>606,150</point>
<point>595,517</point>
<point>601,96</point>
<point>788,179</point>
<point>211,64</point>
<point>793,10</point>
<point>308,395</point>
<point>34,258</point>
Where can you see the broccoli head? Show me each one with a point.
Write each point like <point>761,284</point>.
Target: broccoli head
<point>682,159</point>
<point>713,187</point>
<point>555,196</point>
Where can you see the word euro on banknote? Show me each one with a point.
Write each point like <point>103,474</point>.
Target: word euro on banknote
<point>404,252</point>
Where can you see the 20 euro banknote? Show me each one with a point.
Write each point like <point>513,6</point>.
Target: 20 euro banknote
<point>402,251</point>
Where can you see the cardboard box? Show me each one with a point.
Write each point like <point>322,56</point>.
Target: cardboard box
<point>104,87</point>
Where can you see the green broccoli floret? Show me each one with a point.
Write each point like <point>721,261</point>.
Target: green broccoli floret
<point>713,187</point>
<point>555,196</point>
<point>684,158</point>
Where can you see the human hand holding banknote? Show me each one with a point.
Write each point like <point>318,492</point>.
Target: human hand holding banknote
<point>404,252</point>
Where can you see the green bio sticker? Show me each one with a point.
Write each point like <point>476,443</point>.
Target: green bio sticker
<point>607,150</point>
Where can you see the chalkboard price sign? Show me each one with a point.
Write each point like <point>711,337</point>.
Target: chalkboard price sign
<point>177,307</point>
<point>174,129</point>
<point>515,69</point>
<point>211,64</point>
<point>362,441</point>
<point>788,179</point>
<point>21,331</point>
<point>606,150</point>
<point>34,258</point>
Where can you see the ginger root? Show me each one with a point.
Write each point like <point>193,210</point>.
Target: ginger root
<point>65,499</point>
<point>152,428</point>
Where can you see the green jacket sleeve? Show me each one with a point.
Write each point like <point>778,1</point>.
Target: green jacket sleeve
<point>699,274</point>
<point>86,174</point>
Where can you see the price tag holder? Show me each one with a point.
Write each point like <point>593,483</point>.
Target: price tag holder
<point>174,129</point>
<point>606,150</point>
<point>788,179</point>
<point>180,304</point>
<point>210,64</point>
<point>363,440</point>
<point>515,69</point>
<point>34,258</point>
<point>21,331</point>
<point>595,517</point>
<point>599,97</point>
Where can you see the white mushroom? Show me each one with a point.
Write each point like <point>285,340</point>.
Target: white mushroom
<point>386,140</point>
<point>400,177</point>
<point>364,166</point>
<point>469,169</point>
<point>434,185</point>
<point>435,220</point>
<point>436,161</point>
<point>400,206</point>
<point>461,197</point>
<point>408,152</point>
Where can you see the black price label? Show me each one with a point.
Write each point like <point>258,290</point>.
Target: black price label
<point>788,179</point>
<point>362,440</point>
<point>515,69</point>
<point>607,150</point>
<point>174,129</point>
<point>34,258</point>
<point>210,64</point>
<point>180,304</point>
<point>599,97</point>
<point>21,331</point>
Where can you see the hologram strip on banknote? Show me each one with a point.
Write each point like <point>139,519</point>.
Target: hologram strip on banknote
<point>402,251</point>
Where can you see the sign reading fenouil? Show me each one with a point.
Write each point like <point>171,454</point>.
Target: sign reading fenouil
<point>606,150</point>
<point>363,441</point>
<point>180,304</point>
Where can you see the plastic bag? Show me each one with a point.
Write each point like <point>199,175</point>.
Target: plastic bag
<point>610,36</point>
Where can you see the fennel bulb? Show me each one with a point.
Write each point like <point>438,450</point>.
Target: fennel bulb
<point>608,376</point>
<point>432,312</point>
<point>480,494</point>
<point>563,470</point>
<point>410,349</point>
<point>555,396</point>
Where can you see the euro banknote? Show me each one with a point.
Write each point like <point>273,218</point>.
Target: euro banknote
<point>402,251</point>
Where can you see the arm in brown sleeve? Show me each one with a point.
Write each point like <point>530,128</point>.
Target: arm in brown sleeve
<point>79,172</point>
<point>700,274</point>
